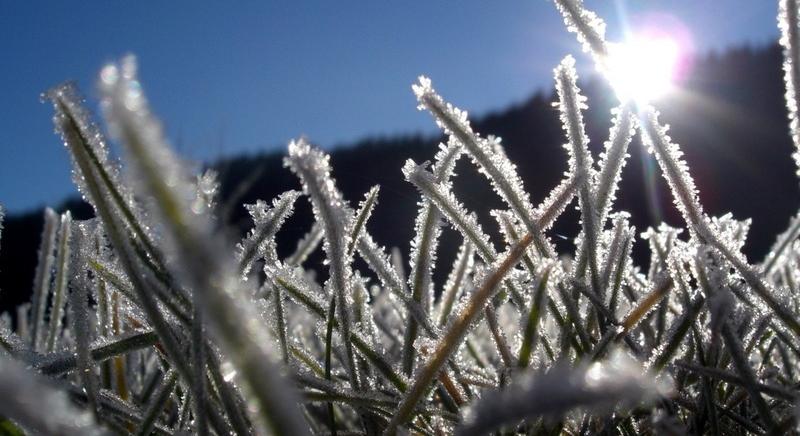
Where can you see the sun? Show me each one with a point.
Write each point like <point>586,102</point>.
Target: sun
<point>642,69</point>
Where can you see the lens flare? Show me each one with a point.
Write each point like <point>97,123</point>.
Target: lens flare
<point>642,68</point>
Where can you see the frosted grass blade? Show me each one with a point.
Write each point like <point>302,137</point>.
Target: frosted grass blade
<point>424,247</point>
<point>306,246</point>
<point>613,160</point>
<point>455,333</point>
<point>571,102</point>
<point>90,157</point>
<point>788,23</point>
<point>495,166</point>
<point>531,332</point>
<point>79,303</point>
<point>268,220</point>
<point>210,275</point>
<point>361,217</point>
<point>62,362</point>
<point>601,387</point>
<point>25,397</point>
<point>42,278</point>
<point>456,281</point>
<point>452,209</point>
<point>60,283</point>
<point>742,365</point>
<point>778,252</point>
<point>328,348</point>
<point>588,27</point>
<point>157,403</point>
<point>313,169</point>
<point>677,332</point>
<point>200,399</point>
<point>676,172</point>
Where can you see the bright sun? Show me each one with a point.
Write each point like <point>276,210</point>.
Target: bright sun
<point>642,68</point>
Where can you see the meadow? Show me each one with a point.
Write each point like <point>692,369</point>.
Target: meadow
<point>149,319</point>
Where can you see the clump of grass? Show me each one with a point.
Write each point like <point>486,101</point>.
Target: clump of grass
<point>171,328</point>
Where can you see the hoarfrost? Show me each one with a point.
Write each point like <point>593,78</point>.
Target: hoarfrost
<point>790,40</point>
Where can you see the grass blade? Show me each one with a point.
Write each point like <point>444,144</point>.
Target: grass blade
<point>60,284</point>
<point>455,334</point>
<point>42,278</point>
<point>157,402</point>
<point>210,276</point>
<point>27,395</point>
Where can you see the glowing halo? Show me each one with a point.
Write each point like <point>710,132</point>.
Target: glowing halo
<point>642,68</point>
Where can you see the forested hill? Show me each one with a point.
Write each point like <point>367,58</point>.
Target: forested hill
<point>730,120</point>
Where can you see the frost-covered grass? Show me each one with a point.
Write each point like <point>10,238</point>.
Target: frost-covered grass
<point>147,319</point>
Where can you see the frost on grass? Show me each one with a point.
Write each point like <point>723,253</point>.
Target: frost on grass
<point>267,220</point>
<point>147,319</point>
<point>788,22</point>
<point>61,277</point>
<point>424,246</point>
<point>612,161</point>
<point>38,407</point>
<point>571,105</point>
<point>358,223</point>
<point>675,170</point>
<point>313,169</point>
<point>587,26</point>
<point>42,276</point>
<point>446,202</point>
<point>206,191</point>
<point>69,109</point>
<point>487,154</point>
<point>159,175</point>
<point>94,172</point>
<point>599,387</point>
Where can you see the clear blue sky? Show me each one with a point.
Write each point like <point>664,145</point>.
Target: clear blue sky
<point>245,76</point>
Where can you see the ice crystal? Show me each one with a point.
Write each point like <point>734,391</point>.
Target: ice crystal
<point>206,190</point>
